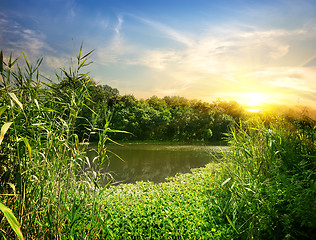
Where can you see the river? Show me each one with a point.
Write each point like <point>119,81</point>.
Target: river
<point>155,162</point>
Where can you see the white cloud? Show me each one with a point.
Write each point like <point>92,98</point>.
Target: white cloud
<point>15,38</point>
<point>157,59</point>
<point>32,42</point>
<point>167,31</point>
<point>119,25</point>
<point>222,60</point>
<point>56,62</point>
<point>291,83</point>
<point>103,23</point>
<point>71,14</point>
<point>287,78</point>
<point>110,52</point>
<point>221,50</point>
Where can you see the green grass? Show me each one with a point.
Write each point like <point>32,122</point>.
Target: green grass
<point>176,209</point>
<point>264,188</point>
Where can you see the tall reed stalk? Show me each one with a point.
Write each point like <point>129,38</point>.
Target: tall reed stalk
<point>46,178</point>
<point>268,181</point>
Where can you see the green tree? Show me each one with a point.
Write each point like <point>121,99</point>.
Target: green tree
<point>156,102</point>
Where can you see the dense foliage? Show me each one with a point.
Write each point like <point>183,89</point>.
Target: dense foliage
<point>270,191</point>
<point>164,119</point>
<point>263,188</point>
<point>173,119</point>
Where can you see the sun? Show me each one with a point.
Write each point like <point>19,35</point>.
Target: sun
<point>254,101</point>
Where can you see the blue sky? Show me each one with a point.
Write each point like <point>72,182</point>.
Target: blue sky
<point>248,51</point>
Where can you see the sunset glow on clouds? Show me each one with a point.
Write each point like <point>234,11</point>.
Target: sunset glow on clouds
<point>239,50</point>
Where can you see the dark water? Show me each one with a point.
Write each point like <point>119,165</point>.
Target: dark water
<point>145,162</point>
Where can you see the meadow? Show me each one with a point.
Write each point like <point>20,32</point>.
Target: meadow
<point>263,188</point>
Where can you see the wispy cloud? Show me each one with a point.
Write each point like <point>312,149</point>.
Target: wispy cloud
<point>157,59</point>
<point>56,62</point>
<point>33,42</point>
<point>70,8</point>
<point>103,23</point>
<point>291,83</point>
<point>166,30</point>
<point>15,38</point>
<point>119,24</point>
<point>221,57</point>
<point>111,51</point>
<point>287,80</point>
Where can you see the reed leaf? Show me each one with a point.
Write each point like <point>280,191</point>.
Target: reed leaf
<point>232,224</point>
<point>1,61</point>
<point>4,129</point>
<point>2,109</point>
<point>12,220</point>
<point>13,96</point>
<point>11,64</point>
<point>27,144</point>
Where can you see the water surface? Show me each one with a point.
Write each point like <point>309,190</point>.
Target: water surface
<point>148,162</point>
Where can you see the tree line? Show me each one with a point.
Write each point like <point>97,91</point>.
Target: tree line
<point>171,118</point>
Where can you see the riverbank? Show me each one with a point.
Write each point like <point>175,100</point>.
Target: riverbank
<point>157,142</point>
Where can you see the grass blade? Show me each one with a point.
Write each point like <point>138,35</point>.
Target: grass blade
<point>226,181</point>
<point>4,129</point>
<point>27,144</point>
<point>232,224</point>
<point>11,64</point>
<point>1,62</point>
<point>13,96</point>
<point>12,220</point>
<point>2,109</point>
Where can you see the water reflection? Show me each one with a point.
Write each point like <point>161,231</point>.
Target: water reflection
<point>143,162</point>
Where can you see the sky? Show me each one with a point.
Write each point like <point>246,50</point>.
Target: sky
<point>252,52</point>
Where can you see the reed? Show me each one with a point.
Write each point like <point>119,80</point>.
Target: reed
<point>45,176</point>
<point>268,181</point>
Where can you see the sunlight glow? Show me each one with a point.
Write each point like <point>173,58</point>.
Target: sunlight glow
<point>253,110</point>
<point>254,101</point>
